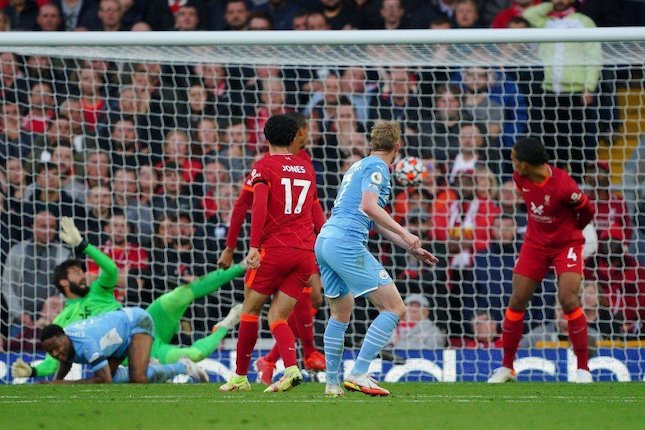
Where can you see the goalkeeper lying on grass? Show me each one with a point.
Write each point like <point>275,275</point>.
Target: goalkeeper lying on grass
<point>84,302</point>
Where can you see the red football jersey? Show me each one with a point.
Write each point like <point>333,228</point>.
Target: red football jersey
<point>292,194</point>
<point>551,206</point>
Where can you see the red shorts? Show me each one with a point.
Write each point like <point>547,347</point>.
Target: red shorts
<point>282,269</point>
<point>534,262</point>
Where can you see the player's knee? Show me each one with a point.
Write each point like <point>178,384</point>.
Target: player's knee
<point>569,304</point>
<point>399,310</point>
<point>316,301</point>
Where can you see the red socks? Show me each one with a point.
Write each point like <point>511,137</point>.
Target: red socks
<point>285,341</point>
<point>512,329</point>
<point>304,321</point>
<point>247,337</point>
<point>577,324</point>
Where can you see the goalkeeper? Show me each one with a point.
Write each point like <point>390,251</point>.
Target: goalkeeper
<point>84,302</point>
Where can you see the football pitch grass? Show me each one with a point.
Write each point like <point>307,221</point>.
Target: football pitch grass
<point>425,406</point>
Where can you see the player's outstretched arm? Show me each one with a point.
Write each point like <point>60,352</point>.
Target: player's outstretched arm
<point>241,207</point>
<point>72,237</point>
<point>369,205</point>
<point>100,376</point>
<point>419,253</point>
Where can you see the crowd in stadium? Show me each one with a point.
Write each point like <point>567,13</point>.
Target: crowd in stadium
<point>148,158</point>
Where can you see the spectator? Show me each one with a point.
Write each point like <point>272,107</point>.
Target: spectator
<point>518,22</point>
<point>49,18</point>
<point>160,14</point>
<point>16,177</point>
<point>393,14</point>
<point>281,13</point>
<point>512,205</point>
<point>517,8</point>
<point>354,86</point>
<point>493,271</point>
<point>349,132</point>
<point>125,189</point>
<point>260,21</point>
<point>611,208</point>
<point>124,146</point>
<point>62,155</point>
<point>5,21</point>
<point>272,103</point>
<point>553,333</point>
<point>14,141</point>
<point>317,21</point>
<point>566,116</point>
<point>26,278</point>
<point>130,258</point>
<point>22,14</point>
<point>198,106</point>
<point>234,150</point>
<point>467,14</point>
<point>299,21</point>
<point>368,15</point>
<point>485,333</point>
<point>176,153</point>
<point>41,104</point>
<point>82,137</point>
<point>187,18</point>
<point>216,176</point>
<point>77,14</point>
<point>446,7</point>
<point>93,105</point>
<point>492,97</point>
<point>215,80</point>
<point>236,15</point>
<point>326,100</point>
<point>398,101</point>
<point>28,338</point>
<point>97,168</point>
<point>13,85</point>
<point>205,137</point>
<point>440,136</point>
<point>100,208</point>
<point>47,195</point>
<point>110,17</point>
<point>462,220</point>
<point>338,14</point>
<point>471,151</point>
<point>141,26</point>
<point>622,282</point>
<point>174,196</point>
<point>415,330</point>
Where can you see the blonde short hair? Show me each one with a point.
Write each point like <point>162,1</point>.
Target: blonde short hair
<point>385,135</point>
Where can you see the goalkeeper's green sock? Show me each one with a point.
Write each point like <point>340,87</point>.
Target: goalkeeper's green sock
<point>199,350</point>
<point>213,281</point>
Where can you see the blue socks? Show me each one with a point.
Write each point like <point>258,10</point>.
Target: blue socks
<point>334,341</point>
<point>378,335</point>
<point>156,373</point>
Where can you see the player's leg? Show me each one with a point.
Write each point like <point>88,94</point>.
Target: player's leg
<point>247,338</point>
<point>202,348</point>
<point>530,268</point>
<point>569,265</point>
<point>167,310</point>
<point>139,357</point>
<point>305,313</point>
<point>315,283</point>
<point>341,304</point>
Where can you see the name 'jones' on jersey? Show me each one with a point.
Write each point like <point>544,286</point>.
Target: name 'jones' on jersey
<point>292,194</point>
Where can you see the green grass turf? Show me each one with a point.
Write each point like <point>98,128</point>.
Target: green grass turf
<point>427,406</point>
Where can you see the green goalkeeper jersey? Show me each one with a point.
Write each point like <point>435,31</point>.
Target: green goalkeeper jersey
<point>99,300</point>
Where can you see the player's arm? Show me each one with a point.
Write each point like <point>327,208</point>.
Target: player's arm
<point>369,205</point>
<point>63,370</point>
<point>21,369</point>
<point>258,218</point>
<point>317,214</point>
<point>580,204</point>
<point>100,376</point>
<point>419,253</point>
<point>538,15</point>
<point>72,237</point>
<point>241,207</point>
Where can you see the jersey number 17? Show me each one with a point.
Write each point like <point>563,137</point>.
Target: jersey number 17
<point>288,194</point>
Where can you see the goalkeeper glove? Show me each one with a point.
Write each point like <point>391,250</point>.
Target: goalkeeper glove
<point>20,369</point>
<point>70,234</point>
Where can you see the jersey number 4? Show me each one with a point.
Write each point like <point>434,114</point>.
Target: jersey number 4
<point>288,194</point>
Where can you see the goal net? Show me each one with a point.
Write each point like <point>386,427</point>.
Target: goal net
<point>146,143</point>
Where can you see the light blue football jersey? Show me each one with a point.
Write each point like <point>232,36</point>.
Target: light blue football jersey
<point>347,219</point>
<point>106,336</point>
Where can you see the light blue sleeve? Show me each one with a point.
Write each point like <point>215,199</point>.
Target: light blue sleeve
<point>373,179</point>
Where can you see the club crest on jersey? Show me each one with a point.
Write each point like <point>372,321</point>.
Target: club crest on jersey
<point>575,197</point>
<point>383,274</point>
<point>376,178</point>
<point>537,210</point>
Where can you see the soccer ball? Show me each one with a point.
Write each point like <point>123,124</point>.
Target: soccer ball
<point>409,171</point>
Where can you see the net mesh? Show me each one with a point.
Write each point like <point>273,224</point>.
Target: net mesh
<point>147,149</point>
